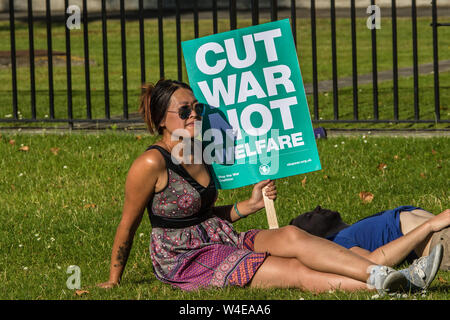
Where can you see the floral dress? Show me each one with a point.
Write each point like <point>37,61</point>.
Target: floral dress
<point>190,247</point>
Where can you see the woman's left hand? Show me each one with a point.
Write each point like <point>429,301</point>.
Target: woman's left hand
<point>257,199</point>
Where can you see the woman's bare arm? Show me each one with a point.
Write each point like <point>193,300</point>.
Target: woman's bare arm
<point>140,184</point>
<point>249,206</point>
<point>228,212</point>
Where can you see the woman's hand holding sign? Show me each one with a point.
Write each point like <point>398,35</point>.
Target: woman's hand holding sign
<point>265,187</point>
<point>263,195</point>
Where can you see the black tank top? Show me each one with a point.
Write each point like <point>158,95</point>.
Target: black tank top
<point>183,202</point>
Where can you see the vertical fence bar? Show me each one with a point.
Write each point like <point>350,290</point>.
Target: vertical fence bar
<point>31,48</point>
<point>273,10</point>
<point>354,60</point>
<point>294,21</point>
<point>435,62</point>
<point>233,15</point>
<point>86,60</point>
<point>105,60</point>
<point>68,69</point>
<point>12,32</point>
<point>394,57</point>
<point>374,69</point>
<point>196,31</point>
<point>214,12</point>
<point>178,31</point>
<point>51,94</point>
<point>314,60</point>
<point>142,39</point>
<point>334,60</point>
<point>124,58</point>
<point>255,12</point>
<point>415,60</point>
<point>161,39</point>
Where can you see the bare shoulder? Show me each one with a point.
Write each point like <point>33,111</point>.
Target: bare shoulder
<point>150,162</point>
<point>143,177</point>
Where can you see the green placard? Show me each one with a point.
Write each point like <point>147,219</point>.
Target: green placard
<point>257,124</point>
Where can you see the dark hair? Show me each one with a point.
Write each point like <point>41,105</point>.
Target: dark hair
<point>320,222</point>
<point>155,99</point>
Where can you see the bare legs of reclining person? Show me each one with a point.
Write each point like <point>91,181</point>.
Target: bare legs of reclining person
<point>419,228</point>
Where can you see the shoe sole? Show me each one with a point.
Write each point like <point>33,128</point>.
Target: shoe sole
<point>395,281</point>
<point>443,237</point>
<point>436,264</point>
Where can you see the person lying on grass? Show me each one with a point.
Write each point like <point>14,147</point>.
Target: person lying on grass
<point>193,242</point>
<point>390,237</point>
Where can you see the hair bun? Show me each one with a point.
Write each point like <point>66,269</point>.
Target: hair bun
<point>147,88</point>
<point>144,105</point>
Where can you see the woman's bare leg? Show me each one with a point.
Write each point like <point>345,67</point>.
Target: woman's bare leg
<point>278,272</point>
<point>315,253</point>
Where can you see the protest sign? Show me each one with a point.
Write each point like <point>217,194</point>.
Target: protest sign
<point>257,124</point>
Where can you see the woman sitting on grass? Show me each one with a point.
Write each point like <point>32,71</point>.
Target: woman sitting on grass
<point>389,237</point>
<point>193,242</point>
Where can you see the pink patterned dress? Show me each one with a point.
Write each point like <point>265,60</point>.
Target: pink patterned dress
<point>190,247</point>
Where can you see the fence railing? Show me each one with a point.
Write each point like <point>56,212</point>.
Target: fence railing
<point>157,30</point>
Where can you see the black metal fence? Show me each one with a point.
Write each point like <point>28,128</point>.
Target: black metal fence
<point>254,14</point>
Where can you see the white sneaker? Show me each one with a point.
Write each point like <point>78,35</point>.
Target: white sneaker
<point>422,271</point>
<point>386,279</point>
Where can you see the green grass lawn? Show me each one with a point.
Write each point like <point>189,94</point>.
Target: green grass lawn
<point>61,207</point>
<point>384,53</point>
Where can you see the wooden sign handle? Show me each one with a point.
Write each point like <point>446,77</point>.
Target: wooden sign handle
<point>270,211</point>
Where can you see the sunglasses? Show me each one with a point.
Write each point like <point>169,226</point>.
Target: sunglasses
<point>185,111</point>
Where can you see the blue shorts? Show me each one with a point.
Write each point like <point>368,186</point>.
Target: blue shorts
<point>374,231</point>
